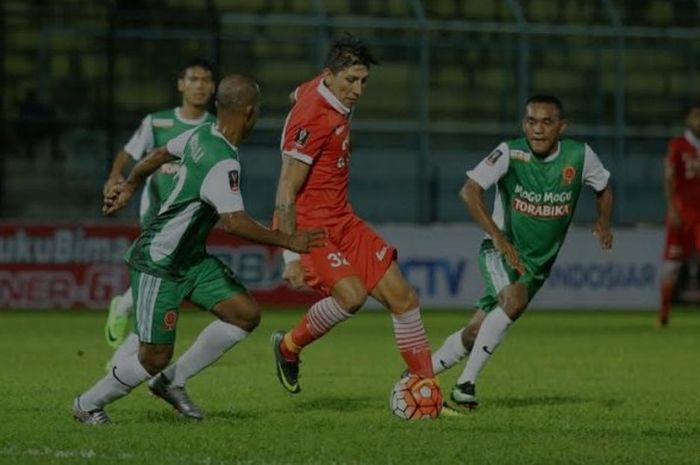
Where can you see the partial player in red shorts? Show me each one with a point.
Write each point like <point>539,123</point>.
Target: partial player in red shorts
<point>682,187</point>
<point>313,190</point>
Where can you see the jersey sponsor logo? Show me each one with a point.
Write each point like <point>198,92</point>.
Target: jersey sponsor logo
<point>301,137</point>
<point>691,165</point>
<point>546,197</point>
<point>233,178</point>
<point>519,155</point>
<point>163,122</point>
<point>493,157</point>
<point>486,349</point>
<point>568,174</point>
<point>169,320</point>
<point>381,253</point>
<point>541,211</point>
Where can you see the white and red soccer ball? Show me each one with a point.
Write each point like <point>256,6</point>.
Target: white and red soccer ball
<point>416,398</point>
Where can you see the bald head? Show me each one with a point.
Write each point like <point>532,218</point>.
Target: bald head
<point>237,92</point>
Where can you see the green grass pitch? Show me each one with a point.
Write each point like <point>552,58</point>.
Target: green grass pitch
<point>565,387</point>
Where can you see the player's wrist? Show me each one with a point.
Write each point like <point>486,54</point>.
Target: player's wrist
<point>288,256</point>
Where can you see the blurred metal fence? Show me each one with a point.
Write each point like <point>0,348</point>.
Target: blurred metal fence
<point>453,79</point>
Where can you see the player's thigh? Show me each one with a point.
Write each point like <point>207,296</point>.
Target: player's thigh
<point>368,252</point>
<point>325,266</point>
<point>496,274</point>
<point>394,292</point>
<point>350,293</point>
<point>156,306</point>
<point>679,243</point>
<point>216,288</point>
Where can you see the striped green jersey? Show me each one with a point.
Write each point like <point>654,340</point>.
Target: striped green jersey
<point>536,198</point>
<point>155,131</point>
<point>206,184</point>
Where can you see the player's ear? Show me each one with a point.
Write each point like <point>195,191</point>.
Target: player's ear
<point>563,125</point>
<point>181,85</point>
<point>327,74</point>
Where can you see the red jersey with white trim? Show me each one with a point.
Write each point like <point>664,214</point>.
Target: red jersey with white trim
<point>317,132</point>
<point>683,158</point>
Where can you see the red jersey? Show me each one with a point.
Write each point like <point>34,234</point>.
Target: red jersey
<point>683,159</point>
<point>317,132</point>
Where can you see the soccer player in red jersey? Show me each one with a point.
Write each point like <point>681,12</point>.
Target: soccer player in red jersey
<point>682,187</point>
<point>313,191</point>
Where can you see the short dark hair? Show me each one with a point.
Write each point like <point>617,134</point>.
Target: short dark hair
<point>690,107</point>
<point>196,63</point>
<point>544,98</point>
<point>349,51</point>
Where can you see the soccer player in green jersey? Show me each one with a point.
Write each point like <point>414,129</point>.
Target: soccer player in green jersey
<point>196,84</point>
<point>538,180</point>
<point>169,262</point>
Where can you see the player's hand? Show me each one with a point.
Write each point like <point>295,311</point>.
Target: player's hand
<point>111,182</point>
<point>674,217</point>
<point>294,274</point>
<point>117,197</point>
<point>302,241</point>
<point>604,234</point>
<point>503,245</point>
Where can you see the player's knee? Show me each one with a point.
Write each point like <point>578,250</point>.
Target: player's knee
<point>351,298</point>
<point>241,312</point>
<point>407,300</point>
<point>154,358</point>
<point>513,300</point>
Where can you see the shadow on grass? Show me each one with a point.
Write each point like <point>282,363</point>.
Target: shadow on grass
<point>166,416</point>
<point>336,404</point>
<point>539,401</point>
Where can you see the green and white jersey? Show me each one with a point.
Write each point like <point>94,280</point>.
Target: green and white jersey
<point>155,131</point>
<point>207,183</point>
<point>536,198</point>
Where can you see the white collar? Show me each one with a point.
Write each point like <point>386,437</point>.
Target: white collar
<point>690,137</point>
<point>215,131</point>
<point>332,99</point>
<point>182,119</point>
<point>553,156</point>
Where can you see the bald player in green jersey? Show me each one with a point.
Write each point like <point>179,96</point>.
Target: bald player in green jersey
<point>196,86</point>
<point>169,262</point>
<point>538,180</point>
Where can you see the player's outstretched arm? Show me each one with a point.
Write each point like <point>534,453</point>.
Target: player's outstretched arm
<point>118,195</point>
<point>116,173</point>
<point>674,216</point>
<point>601,228</point>
<point>472,195</point>
<point>241,225</point>
<point>292,177</point>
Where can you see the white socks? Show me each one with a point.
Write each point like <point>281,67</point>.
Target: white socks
<point>491,333</point>
<point>125,303</point>
<point>211,344</point>
<point>121,379</point>
<point>129,347</point>
<point>451,352</point>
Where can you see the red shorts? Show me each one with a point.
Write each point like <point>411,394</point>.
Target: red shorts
<point>353,249</point>
<point>681,242</point>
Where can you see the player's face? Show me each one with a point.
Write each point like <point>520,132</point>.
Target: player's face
<point>692,121</point>
<point>543,126</point>
<point>347,84</point>
<point>197,86</point>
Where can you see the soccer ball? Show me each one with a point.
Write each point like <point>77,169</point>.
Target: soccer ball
<point>416,398</point>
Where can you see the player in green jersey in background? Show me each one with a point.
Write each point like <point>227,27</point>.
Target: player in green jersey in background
<point>196,84</point>
<point>169,262</point>
<point>538,178</point>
